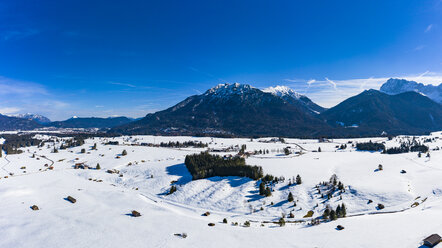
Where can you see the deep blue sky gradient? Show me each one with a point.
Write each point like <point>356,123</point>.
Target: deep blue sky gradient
<point>133,57</point>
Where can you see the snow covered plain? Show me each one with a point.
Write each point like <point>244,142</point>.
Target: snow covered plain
<point>101,215</point>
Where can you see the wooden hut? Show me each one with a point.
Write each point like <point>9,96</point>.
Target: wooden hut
<point>135,214</point>
<point>432,240</point>
<point>71,199</point>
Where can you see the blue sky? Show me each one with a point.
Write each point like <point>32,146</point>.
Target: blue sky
<point>104,58</point>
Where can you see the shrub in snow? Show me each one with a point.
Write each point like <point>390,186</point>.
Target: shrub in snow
<point>290,197</point>
<point>281,222</point>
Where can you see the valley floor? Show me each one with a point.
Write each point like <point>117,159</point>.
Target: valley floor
<point>101,216</point>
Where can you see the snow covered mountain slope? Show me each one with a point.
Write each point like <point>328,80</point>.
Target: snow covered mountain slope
<point>294,97</point>
<point>231,109</point>
<point>35,117</point>
<point>395,86</point>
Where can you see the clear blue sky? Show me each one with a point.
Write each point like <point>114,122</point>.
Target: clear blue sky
<point>103,58</point>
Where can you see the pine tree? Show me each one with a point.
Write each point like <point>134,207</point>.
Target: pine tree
<point>262,188</point>
<point>326,213</point>
<point>124,153</point>
<point>225,221</point>
<point>98,167</point>
<point>319,149</point>
<point>290,198</point>
<point>268,192</point>
<point>83,150</point>
<point>338,211</point>
<point>333,215</point>
<point>343,210</point>
<point>94,147</point>
<point>298,179</point>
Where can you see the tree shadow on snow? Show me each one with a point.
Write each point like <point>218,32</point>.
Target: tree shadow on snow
<point>232,181</point>
<point>279,204</point>
<point>179,170</point>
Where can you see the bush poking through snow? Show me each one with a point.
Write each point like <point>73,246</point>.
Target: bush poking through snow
<point>206,213</point>
<point>211,224</point>
<point>34,207</point>
<point>182,235</point>
<point>281,222</point>
<point>381,206</point>
<point>172,190</point>
<point>247,223</point>
<point>309,214</point>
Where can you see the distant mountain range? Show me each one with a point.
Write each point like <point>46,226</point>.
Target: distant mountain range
<point>91,122</point>
<point>8,123</point>
<point>232,109</point>
<point>373,112</point>
<point>32,121</point>
<point>241,110</point>
<point>401,107</point>
<point>38,118</point>
<point>396,86</point>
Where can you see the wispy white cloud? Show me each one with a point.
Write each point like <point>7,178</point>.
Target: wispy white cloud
<point>429,27</point>
<point>321,92</point>
<point>123,84</point>
<point>9,110</point>
<point>9,86</point>
<point>18,34</point>
<point>418,48</point>
<point>332,83</point>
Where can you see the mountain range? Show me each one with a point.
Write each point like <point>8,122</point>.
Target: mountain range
<point>242,110</point>
<point>91,122</point>
<point>395,86</point>
<point>400,107</point>
<point>231,109</point>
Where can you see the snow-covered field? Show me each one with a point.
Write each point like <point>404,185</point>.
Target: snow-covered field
<point>101,215</point>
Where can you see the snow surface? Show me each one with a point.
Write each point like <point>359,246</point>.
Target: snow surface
<point>101,215</point>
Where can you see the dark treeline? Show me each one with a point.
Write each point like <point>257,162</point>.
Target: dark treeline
<point>370,146</point>
<point>178,144</point>
<point>13,142</point>
<point>404,148</point>
<point>205,165</point>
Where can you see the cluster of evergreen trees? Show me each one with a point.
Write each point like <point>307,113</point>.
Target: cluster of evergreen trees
<point>178,144</point>
<point>327,189</point>
<point>205,165</point>
<point>330,214</point>
<point>407,147</point>
<point>370,146</point>
<point>74,142</point>
<point>13,142</point>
